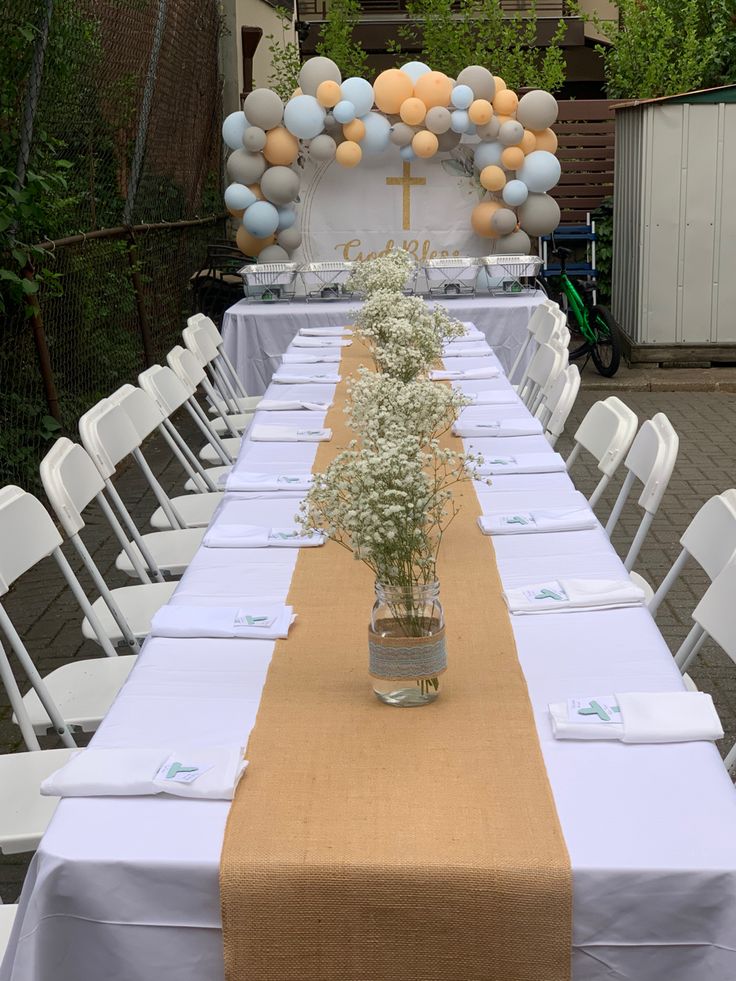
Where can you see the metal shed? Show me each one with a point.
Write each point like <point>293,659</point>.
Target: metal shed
<point>674,243</point>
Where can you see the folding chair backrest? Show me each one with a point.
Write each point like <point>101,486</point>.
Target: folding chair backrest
<point>209,327</point>
<point>711,536</point>
<point>27,534</point>
<point>186,367</point>
<point>108,435</point>
<point>607,431</point>
<point>199,343</point>
<point>560,402</point>
<point>545,364</point>
<point>163,385</point>
<point>652,459</point>
<point>716,612</point>
<point>140,408</point>
<point>71,481</point>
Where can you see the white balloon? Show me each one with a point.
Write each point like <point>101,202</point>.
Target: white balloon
<point>359,92</point>
<point>540,171</point>
<point>377,133</point>
<point>239,197</point>
<point>304,117</point>
<point>487,155</point>
<point>415,70</point>
<point>515,193</point>
<point>233,128</point>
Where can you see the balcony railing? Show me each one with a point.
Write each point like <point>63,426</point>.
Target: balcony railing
<point>316,9</point>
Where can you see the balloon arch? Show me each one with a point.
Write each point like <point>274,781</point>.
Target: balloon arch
<point>423,113</point>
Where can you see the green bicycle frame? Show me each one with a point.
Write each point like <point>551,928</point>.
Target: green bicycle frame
<point>580,311</point>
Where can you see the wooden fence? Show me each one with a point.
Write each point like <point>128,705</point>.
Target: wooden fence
<point>585,130</point>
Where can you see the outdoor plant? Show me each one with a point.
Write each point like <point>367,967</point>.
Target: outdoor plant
<point>337,38</point>
<point>285,61</point>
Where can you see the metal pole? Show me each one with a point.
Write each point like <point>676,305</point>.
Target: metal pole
<point>42,350</point>
<point>33,92</point>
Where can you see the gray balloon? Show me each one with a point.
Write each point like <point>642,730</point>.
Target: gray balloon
<point>479,79</point>
<point>449,140</point>
<point>314,72</point>
<point>489,130</point>
<point>539,214</point>
<point>265,109</point>
<point>503,221</point>
<point>438,120</point>
<point>536,110</point>
<point>331,125</point>
<point>517,243</point>
<point>244,167</point>
<point>254,139</point>
<point>322,147</point>
<point>290,238</point>
<point>273,253</point>
<point>510,133</point>
<point>280,185</point>
<point>401,134</point>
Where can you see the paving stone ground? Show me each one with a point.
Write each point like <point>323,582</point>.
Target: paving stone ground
<point>47,617</point>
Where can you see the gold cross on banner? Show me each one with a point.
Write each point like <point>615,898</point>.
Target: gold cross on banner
<point>407,182</point>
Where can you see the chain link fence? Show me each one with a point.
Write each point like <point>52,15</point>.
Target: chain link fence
<point>110,157</point>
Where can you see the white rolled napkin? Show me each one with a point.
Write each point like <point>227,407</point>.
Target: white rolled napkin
<point>324,331</point>
<point>297,358</point>
<point>638,717</point>
<point>471,330</point>
<point>480,350</point>
<point>289,434</point>
<point>573,596</point>
<point>520,463</point>
<point>469,374</point>
<point>260,536</point>
<point>498,427</point>
<point>257,621</point>
<point>292,405</point>
<point>282,377</point>
<point>320,342</point>
<point>246,482</point>
<point>210,773</point>
<point>492,398</point>
<point>538,521</point>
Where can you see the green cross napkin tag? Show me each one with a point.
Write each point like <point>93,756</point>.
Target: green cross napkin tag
<point>601,709</point>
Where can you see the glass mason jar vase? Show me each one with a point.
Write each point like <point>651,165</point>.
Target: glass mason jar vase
<point>406,641</point>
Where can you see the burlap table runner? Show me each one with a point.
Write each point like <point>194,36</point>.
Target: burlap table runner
<point>372,843</point>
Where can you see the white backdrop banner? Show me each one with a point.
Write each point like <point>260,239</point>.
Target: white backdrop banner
<point>386,203</point>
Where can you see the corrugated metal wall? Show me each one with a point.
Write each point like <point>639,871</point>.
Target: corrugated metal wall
<point>674,272</point>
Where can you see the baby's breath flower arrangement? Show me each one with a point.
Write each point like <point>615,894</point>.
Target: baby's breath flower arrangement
<point>386,272</point>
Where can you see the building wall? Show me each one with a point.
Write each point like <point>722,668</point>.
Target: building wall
<point>249,13</point>
<point>604,9</point>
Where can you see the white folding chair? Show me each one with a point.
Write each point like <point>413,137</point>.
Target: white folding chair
<point>650,460</point>
<point>557,405</point>
<point>714,616</point>
<point>558,369</point>
<point>191,373</point>
<point>540,317</point>
<point>72,481</point>
<point>172,394</point>
<point>545,364</point>
<point>7,918</point>
<point>203,339</point>
<point>76,695</point>
<point>606,432</point>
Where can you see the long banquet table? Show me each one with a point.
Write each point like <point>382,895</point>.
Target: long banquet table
<point>256,334</point>
<point>126,889</point>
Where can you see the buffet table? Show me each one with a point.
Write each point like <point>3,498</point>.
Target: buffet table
<point>126,889</point>
<point>257,334</point>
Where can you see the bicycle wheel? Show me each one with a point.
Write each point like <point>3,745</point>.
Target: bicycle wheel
<point>606,349</point>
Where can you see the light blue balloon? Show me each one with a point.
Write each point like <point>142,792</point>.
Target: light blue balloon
<point>377,133</point>
<point>406,153</point>
<point>359,92</point>
<point>462,96</point>
<point>239,197</point>
<point>460,121</point>
<point>233,128</point>
<point>304,117</point>
<point>515,193</point>
<point>540,171</point>
<point>287,217</point>
<point>261,219</point>
<point>415,70</point>
<point>488,154</point>
<point>344,112</point>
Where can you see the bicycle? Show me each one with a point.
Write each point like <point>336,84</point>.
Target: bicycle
<point>593,322</point>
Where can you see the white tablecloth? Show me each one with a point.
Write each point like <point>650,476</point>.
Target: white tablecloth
<point>257,334</point>
<point>127,889</point>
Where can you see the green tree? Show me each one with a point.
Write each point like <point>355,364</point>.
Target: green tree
<point>285,62</point>
<point>337,38</point>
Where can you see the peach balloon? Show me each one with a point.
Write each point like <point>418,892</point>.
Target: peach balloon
<point>282,147</point>
<point>480,112</point>
<point>391,88</point>
<point>512,157</point>
<point>425,144</point>
<point>249,244</point>
<point>500,84</point>
<point>434,89</point>
<point>328,94</point>
<point>505,102</point>
<point>354,130</point>
<point>481,216</point>
<point>413,111</point>
<point>492,178</point>
<point>528,141</point>
<point>256,189</point>
<point>501,119</point>
<point>297,91</point>
<point>348,154</point>
<point>237,214</point>
<point>546,140</point>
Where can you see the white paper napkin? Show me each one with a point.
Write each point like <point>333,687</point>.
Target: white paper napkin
<point>211,773</point>
<point>498,427</point>
<point>492,398</point>
<point>297,358</point>
<point>320,342</point>
<point>537,521</point>
<point>479,350</point>
<point>246,481</point>
<point>469,374</point>
<point>638,717</point>
<point>324,331</point>
<point>521,463</point>
<point>282,377</point>
<point>257,621</point>
<point>292,405</point>
<point>573,596</point>
<point>288,434</point>
<point>260,536</point>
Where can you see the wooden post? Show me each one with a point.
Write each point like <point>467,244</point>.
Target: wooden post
<point>42,349</point>
<point>135,279</point>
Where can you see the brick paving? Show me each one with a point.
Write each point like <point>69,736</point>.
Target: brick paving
<point>48,618</point>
